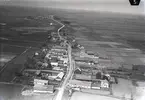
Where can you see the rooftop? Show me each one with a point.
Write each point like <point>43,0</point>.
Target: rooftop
<point>82,77</point>
<point>80,83</point>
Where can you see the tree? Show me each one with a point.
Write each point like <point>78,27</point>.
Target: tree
<point>30,62</point>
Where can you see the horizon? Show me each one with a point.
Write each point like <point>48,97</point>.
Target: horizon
<point>120,6</point>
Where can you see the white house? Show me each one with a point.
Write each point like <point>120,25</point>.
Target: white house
<point>57,68</point>
<point>40,82</point>
<point>65,60</point>
<point>53,63</point>
<point>104,84</point>
<point>79,84</point>
<point>58,77</point>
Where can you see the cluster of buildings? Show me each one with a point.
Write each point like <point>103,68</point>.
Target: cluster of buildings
<point>45,78</point>
<point>87,75</point>
<point>96,81</point>
<point>58,57</point>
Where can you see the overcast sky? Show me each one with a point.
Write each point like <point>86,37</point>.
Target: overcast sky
<point>121,6</point>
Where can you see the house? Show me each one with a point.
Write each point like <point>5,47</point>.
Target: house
<point>85,60</point>
<point>43,89</point>
<point>99,75</point>
<point>62,63</point>
<point>96,85</point>
<point>53,56</point>
<point>64,57</point>
<point>58,52</point>
<point>57,68</point>
<point>59,49</point>
<point>54,61</point>
<point>57,77</point>
<point>62,52</point>
<point>104,84</point>
<point>78,71</point>
<point>82,77</point>
<point>53,82</point>
<point>80,60</point>
<point>79,84</point>
<point>52,52</point>
<point>62,66</point>
<point>40,82</point>
<point>65,60</point>
<point>47,56</point>
<point>59,56</point>
<point>89,54</point>
<point>100,84</point>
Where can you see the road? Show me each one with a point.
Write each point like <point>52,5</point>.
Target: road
<point>61,90</point>
<point>62,26</point>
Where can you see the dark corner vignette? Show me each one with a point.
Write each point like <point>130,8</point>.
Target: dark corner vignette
<point>134,2</point>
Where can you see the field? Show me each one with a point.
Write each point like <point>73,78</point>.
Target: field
<point>9,49</point>
<point>4,59</point>
<point>9,52</point>
<point>112,27</point>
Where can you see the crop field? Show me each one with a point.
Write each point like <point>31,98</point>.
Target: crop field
<point>11,49</point>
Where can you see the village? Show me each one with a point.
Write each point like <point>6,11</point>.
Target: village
<point>93,70</point>
<point>45,70</point>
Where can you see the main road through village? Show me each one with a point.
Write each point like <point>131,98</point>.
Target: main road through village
<point>69,73</point>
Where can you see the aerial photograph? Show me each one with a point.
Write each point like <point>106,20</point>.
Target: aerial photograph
<point>72,49</point>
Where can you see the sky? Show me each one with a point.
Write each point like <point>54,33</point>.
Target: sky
<point>120,6</point>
